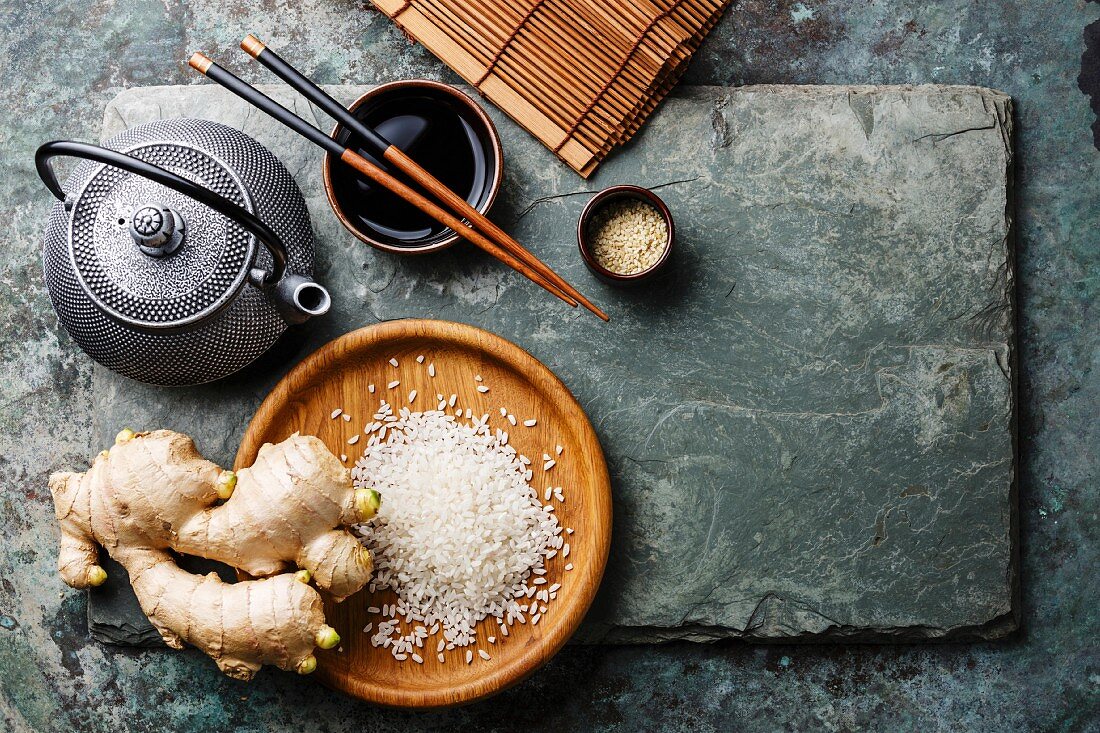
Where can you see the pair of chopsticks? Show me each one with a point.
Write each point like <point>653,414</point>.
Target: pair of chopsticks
<point>477,228</point>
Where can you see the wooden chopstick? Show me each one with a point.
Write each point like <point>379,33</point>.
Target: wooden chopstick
<point>258,50</point>
<point>258,99</point>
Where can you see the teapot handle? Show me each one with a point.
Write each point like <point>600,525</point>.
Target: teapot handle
<point>137,166</point>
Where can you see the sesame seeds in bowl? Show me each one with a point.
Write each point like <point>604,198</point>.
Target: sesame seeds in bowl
<point>625,234</point>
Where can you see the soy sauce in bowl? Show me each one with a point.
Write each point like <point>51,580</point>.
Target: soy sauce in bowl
<point>441,129</point>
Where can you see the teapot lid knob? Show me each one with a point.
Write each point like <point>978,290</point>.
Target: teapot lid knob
<point>157,230</point>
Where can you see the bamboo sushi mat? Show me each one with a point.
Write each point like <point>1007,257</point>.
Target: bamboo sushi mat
<point>582,76</point>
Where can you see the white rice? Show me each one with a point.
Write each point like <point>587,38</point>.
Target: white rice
<point>461,534</point>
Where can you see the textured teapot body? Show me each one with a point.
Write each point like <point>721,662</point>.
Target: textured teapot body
<point>159,287</point>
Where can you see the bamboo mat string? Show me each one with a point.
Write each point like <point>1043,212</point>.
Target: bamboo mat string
<point>615,76</point>
<point>508,42</point>
<point>395,17</point>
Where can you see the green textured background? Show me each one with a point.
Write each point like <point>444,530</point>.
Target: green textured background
<point>64,61</point>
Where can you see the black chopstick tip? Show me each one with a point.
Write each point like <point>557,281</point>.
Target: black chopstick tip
<point>252,46</point>
<point>200,63</point>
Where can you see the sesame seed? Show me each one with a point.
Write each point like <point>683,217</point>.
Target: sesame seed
<point>628,236</point>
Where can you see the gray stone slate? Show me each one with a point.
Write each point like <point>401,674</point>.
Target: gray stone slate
<point>809,420</point>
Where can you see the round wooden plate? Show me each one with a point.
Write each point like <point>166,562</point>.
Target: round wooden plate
<point>337,376</point>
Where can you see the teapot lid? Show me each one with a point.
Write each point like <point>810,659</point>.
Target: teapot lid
<point>153,257</point>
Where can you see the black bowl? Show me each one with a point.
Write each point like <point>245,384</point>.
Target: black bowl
<point>440,128</point>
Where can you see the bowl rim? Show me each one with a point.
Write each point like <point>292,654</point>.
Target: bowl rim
<point>462,98</point>
<point>610,194</point>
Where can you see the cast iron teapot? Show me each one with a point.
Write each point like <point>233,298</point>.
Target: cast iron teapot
<point>151,253</point>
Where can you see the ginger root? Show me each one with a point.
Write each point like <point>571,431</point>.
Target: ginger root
<point>153,493</point>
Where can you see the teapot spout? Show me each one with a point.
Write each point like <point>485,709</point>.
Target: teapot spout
<point>299,298</point>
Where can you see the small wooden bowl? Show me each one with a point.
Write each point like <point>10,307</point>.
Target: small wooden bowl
<point>470,112</point>
<point>604,197</point>
<point>338,375</point>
